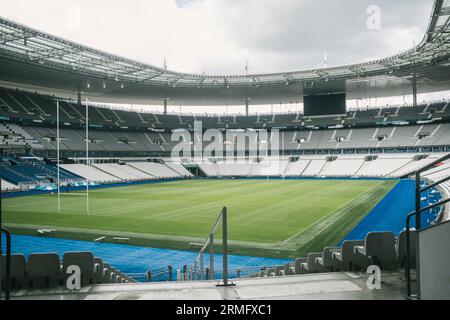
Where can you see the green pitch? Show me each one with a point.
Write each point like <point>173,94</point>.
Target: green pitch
<point>276,216</point>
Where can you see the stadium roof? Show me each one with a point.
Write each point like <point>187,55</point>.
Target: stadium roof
<point>30,58</point>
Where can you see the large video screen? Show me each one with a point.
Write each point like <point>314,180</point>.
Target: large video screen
<point>323,105</point>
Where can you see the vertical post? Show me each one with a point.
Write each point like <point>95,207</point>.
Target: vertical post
<point>170,273</point>
<point>408,254</point>
<point>8,264</point>
<point>211,256</point>
<point>58,149</point>
<point>185,273</point>
<point>87,155</point>
<point>1,226</point>
<point>247,106</point>
<point>79,96</point>
<point>202,265</point>
<point>417,205</point>
<point>414,84</point>
<point>418,227</point>
<point>165,105</point>
<point>225,246</point>
<point>195,271</point>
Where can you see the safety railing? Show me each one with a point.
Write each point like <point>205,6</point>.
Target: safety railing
<point>7,284</point>
<point>196,271</point>
<point>5,287</point>
<point>417,215</point>
<point>153,275</point>
<point>187,274</point>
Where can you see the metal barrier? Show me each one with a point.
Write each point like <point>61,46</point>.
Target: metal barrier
<point>417,214</point>
<point>8,264</point>
<point>196,271</point>
<point>8,253</point>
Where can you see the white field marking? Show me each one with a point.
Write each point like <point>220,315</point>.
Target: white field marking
<point>22,204</point>
<point>96,210</point>
<point>235,199</point>
<point>324,218</point>
<point>252,200</point>
<point>125,208</point>
<point>182,212</point>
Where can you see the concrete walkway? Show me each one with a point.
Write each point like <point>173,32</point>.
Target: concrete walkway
<point>336,286</point>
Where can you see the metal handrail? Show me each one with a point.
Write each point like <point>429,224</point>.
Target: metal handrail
<point>209,242</point>
<point>417,214</point>
<point>8,263</point>
<point>8,251</point>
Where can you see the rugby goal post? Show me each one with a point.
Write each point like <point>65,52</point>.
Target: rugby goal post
<point>58,157</point>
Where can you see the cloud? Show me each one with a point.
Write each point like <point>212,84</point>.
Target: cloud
<point>217,36</point>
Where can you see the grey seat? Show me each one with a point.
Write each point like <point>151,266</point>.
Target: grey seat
<point>44,270</point>
<point>106,276</point>
<point>270,272</point>
<point>99,270</point>
<point>84,260</point>
<point>289,269</point>
<point>401,249</point>
<point>327,261</point>
<point>18,271</point>
<point>350,259</point>
<point>311,265</point>
<point>279,271</point>
<point>113,275</point>
<point>380,248</point>
<point>298,266</point>
<point>120,276</point>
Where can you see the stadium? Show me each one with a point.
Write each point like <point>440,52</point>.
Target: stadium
<point>300,204</point>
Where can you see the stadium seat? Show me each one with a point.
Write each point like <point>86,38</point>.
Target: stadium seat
<point>44,270</point>
<point>298,266</point>
<point>327,261</point>
<point>18,271</point>
<point>271,272</point>
<point>106,275</point>
<point>99,270</point>
<point>350,259</point>
<point>113,275</point>
<point>47,271</point>
<point>279,271</point>
<point>380,248</point>
<point>311,265</point>
<point>401,249</point>
<point>289,269</point>
<point>84,260</point>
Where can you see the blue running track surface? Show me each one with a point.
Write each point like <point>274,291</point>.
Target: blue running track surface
<point>390,214</point>
<point>133,259</point>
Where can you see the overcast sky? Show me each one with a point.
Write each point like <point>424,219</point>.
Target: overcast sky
<point>218,36</point>
<point>222,36</point>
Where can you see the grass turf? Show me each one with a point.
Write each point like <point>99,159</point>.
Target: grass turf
<point>264,216</point>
